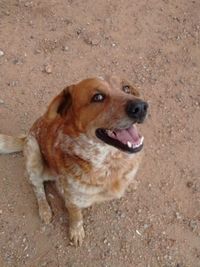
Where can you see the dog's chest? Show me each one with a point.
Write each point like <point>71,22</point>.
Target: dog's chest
<point>97,173</point>
<point>107,181</point>
<point>117,174</point>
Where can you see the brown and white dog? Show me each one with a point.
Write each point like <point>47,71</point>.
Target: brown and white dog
<point>87,142</point>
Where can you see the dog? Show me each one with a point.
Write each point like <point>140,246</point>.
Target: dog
<point>87,142</point>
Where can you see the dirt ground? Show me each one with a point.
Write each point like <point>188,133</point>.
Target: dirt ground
<point>48,44</point>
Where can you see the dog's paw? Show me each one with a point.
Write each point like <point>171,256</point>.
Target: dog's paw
<point>45,212</point>
<point>76,235</point>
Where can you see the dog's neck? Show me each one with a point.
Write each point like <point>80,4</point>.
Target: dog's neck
<point>88,149</point>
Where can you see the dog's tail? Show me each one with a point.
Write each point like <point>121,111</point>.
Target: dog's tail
<point>10,144</point>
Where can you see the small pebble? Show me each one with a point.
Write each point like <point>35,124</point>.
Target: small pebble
<point>138,232</point>
<point>37,51</point>
<point>1,53</point>
<point>65,48</point>
<point>189,184</point>
<point>1,212</point>
<point>1,101</point>
<point>13,83</point>
<point>44,264</point>
<point>48,69</point>
<point>95,42</point>
<point>28,4</point>
<point>7,13</point>
<point>178,216</point>
<point>105,241</point>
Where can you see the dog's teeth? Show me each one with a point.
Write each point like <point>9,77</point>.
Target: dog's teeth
<point>109,132</point>
<point>138,144</point>
<point>129,144</point>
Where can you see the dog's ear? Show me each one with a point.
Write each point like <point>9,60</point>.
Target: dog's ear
<point>60,104</point>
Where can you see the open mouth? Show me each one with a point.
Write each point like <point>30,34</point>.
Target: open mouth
<point>127,140</point>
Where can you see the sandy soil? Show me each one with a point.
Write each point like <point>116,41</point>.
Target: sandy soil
<point>46,45</point>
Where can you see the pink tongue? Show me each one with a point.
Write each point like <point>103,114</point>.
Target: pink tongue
<point>134,133</point>
<point>131,134</point>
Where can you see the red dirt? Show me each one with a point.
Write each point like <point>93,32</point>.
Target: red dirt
<point>49,44</point>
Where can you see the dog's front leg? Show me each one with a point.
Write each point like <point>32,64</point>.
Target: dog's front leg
<point>76,230</point>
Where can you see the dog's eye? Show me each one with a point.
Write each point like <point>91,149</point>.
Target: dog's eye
<point>98,97</point>
<point>126,89</point>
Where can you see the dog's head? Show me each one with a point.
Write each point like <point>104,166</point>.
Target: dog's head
<point>105,110</point>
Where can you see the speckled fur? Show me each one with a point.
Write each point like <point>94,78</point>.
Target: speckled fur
<point>62,146</point>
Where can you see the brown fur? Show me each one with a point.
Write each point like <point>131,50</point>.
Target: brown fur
<point>62,146</point>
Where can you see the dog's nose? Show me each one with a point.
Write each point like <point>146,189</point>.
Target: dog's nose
<point>137,110</point>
